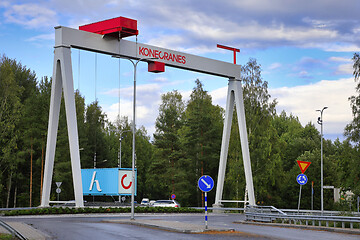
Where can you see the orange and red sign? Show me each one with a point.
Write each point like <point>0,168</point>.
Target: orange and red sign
<point>303,165</point>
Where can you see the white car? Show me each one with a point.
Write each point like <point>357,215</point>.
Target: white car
<point>166,203</point>
<point>145,201</point>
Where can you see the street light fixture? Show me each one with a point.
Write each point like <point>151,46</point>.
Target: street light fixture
<point>98,162</point>
<point>320,122</point>
<point>135,63</point>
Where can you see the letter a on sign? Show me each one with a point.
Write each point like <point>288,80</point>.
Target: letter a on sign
<point>303,165</point>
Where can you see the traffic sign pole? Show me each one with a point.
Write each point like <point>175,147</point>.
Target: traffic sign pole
<point>206,184</point>
<point>299,199</point>
<point>302,180</point>
<point>206,223</point>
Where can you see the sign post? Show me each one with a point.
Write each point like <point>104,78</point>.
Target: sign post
<point>58,190</point>
<point>312,195</point>
<point>302,178</point>
<point>206,184</point>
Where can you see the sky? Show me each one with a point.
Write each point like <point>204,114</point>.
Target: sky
<point>304,49</point>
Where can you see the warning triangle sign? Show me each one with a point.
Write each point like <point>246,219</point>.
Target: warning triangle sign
<point>303,165</point>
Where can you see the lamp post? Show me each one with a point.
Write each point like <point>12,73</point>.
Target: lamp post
<point>120,139</point>
<point>320,121</point>
<point>99,162</point>
<point>135,63</point>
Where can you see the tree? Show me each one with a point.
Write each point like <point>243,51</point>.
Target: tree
<point>264,144</point>
<point>352,130</point>
<point>165,165</point>
<point>94,149</point>
<point>201,136</point>
<point>10,115</point>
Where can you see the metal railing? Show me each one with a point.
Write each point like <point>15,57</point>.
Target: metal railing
<point>12,230</point>
<point>272,214</point>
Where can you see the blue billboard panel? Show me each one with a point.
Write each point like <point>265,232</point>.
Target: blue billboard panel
<point>107,181</point>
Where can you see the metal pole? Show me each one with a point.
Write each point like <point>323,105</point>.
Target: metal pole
<point>133,149</point>
<point>299,199</point>
<point>206,218</point>
<point>119,164</point>
<point>322,170</point>
<point>312,195</point>
<point>320,121</point>
<point>94,160</point>
<point>133,143</point>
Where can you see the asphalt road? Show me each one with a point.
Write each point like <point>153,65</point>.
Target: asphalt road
<point>91,226</point>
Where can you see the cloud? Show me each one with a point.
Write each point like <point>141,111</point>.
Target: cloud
<point>274,66</point>
<point>148,99</point>
<point>42,37</point>
<point>346,68</point>
<point>302,101</point>
<point>31,16</point>
<point>198,26</point>
<point>4,3</point>
<point>336,47</point>
<point>340,59</point>
<point>219,96</point>
<point>255,24</point>
<point>310,63</point>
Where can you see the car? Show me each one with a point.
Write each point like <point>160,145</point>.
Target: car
<point>145,201</point>
<point>166,203</point>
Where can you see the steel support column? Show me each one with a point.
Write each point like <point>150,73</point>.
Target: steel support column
<point>235,95</point>
<point>62,79</point>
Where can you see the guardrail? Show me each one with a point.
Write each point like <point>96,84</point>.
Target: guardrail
<point>12,231</point>
<point>272,214</point>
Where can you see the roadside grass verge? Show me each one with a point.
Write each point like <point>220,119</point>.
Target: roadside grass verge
<point>4,236</point>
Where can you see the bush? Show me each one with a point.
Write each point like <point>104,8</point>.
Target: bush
<point>67,210</point>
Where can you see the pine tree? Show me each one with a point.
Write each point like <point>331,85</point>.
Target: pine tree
<point>165,166</point>
<point>201,140</point>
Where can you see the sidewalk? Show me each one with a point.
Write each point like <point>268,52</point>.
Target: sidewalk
<point>173,226</point>
<point>27,231</point>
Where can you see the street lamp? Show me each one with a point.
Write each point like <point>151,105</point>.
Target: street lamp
<point>99,162</point>
<point>120,139</point>
<point>320,121</point>
<point>135,63</point>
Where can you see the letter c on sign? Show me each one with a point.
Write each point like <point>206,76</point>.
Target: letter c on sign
<point>122,182</point>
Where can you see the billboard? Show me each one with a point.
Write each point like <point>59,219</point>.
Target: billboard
<point>108,181</point>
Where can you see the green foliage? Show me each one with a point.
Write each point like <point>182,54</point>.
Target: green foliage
<point>186,144</point>
<point>201,142</point>
<point>4,236</point>
<point>165,171</point>
<point>67,210</point>
<point>352,132</point>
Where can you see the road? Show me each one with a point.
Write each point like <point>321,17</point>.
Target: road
<point>91,226</point>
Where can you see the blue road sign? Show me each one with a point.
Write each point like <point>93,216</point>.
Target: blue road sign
<point>301,179</point>
<point>206,183</point>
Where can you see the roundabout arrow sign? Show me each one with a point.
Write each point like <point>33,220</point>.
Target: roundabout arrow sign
<point>206,183</point>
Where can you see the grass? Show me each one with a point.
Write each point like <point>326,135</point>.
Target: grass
<point>4,236</point>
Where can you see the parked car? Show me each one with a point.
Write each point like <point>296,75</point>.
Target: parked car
<point>145,201</point>
<point>166,203</point>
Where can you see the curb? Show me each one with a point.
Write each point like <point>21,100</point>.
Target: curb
<point>306,227</point>
<point>27,231</point>
<point>173,226</point>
